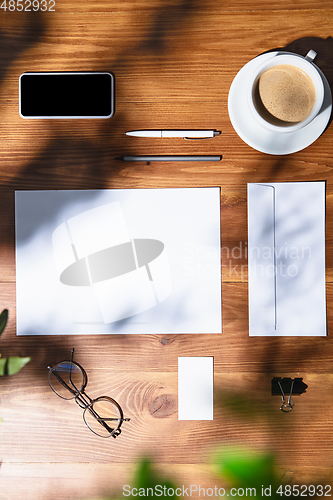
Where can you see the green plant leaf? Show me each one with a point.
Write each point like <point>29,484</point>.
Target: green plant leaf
<point>147,478</point>
<point>244,468</point>
<point>3,362</point>
<point>3,320</point>
<point>15,363</point>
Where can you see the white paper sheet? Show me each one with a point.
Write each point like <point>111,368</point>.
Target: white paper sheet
<point>195,388</point>
<point>118,261</point>
<point>286,255</point>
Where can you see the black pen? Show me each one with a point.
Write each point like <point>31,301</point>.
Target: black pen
<point>171,158</point>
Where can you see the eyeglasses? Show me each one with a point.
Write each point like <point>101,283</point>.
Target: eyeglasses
<point>103,415</point>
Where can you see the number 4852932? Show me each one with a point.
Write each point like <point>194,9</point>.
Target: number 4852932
<point>28,5</point>
<point>303,490</point>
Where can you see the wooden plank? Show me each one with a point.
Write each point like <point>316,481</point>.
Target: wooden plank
<point>234,349</point>
<point>176,59</point>
<point>244,412</point>
<point>172,8</point>
<point>99,480</point>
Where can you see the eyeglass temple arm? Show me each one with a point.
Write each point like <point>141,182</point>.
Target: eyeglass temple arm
<point>70,370</point>
<point>101,420</point>
<point>62,382</point>
<point>115,418</point>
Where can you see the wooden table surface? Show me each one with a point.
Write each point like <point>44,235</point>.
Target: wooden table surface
<point>174,62</point>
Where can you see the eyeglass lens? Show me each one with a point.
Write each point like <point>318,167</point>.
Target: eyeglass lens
<point>66,379</point>
<point>103,416</point>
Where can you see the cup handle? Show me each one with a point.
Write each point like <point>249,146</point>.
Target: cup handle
<point>310,55</point>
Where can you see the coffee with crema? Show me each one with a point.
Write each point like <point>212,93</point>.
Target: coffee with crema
<point>287,93</point>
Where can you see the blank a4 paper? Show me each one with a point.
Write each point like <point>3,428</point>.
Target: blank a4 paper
<point>195,388</point>
<point>118,261</point>
<point>286,254</point>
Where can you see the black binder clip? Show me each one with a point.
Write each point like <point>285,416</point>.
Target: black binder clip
<point>287,386</point>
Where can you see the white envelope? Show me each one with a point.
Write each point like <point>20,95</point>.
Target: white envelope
<point>286,257</point>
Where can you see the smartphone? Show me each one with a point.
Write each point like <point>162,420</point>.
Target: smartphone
<point>66,95</point>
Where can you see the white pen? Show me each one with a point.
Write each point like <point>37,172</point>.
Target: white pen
<point>185,134</point>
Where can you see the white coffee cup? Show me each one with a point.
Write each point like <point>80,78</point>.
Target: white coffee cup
<point>306,65</point>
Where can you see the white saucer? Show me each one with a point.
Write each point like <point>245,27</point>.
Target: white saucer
<point>259,137</point>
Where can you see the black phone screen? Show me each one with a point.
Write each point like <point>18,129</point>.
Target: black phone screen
<point>66,95</point>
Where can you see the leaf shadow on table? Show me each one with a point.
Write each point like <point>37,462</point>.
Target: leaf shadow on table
<point>169,20</point>
<point>30,27</point>
<point>71,158</point>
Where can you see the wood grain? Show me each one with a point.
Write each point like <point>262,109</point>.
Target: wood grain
<point>174,62</point>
